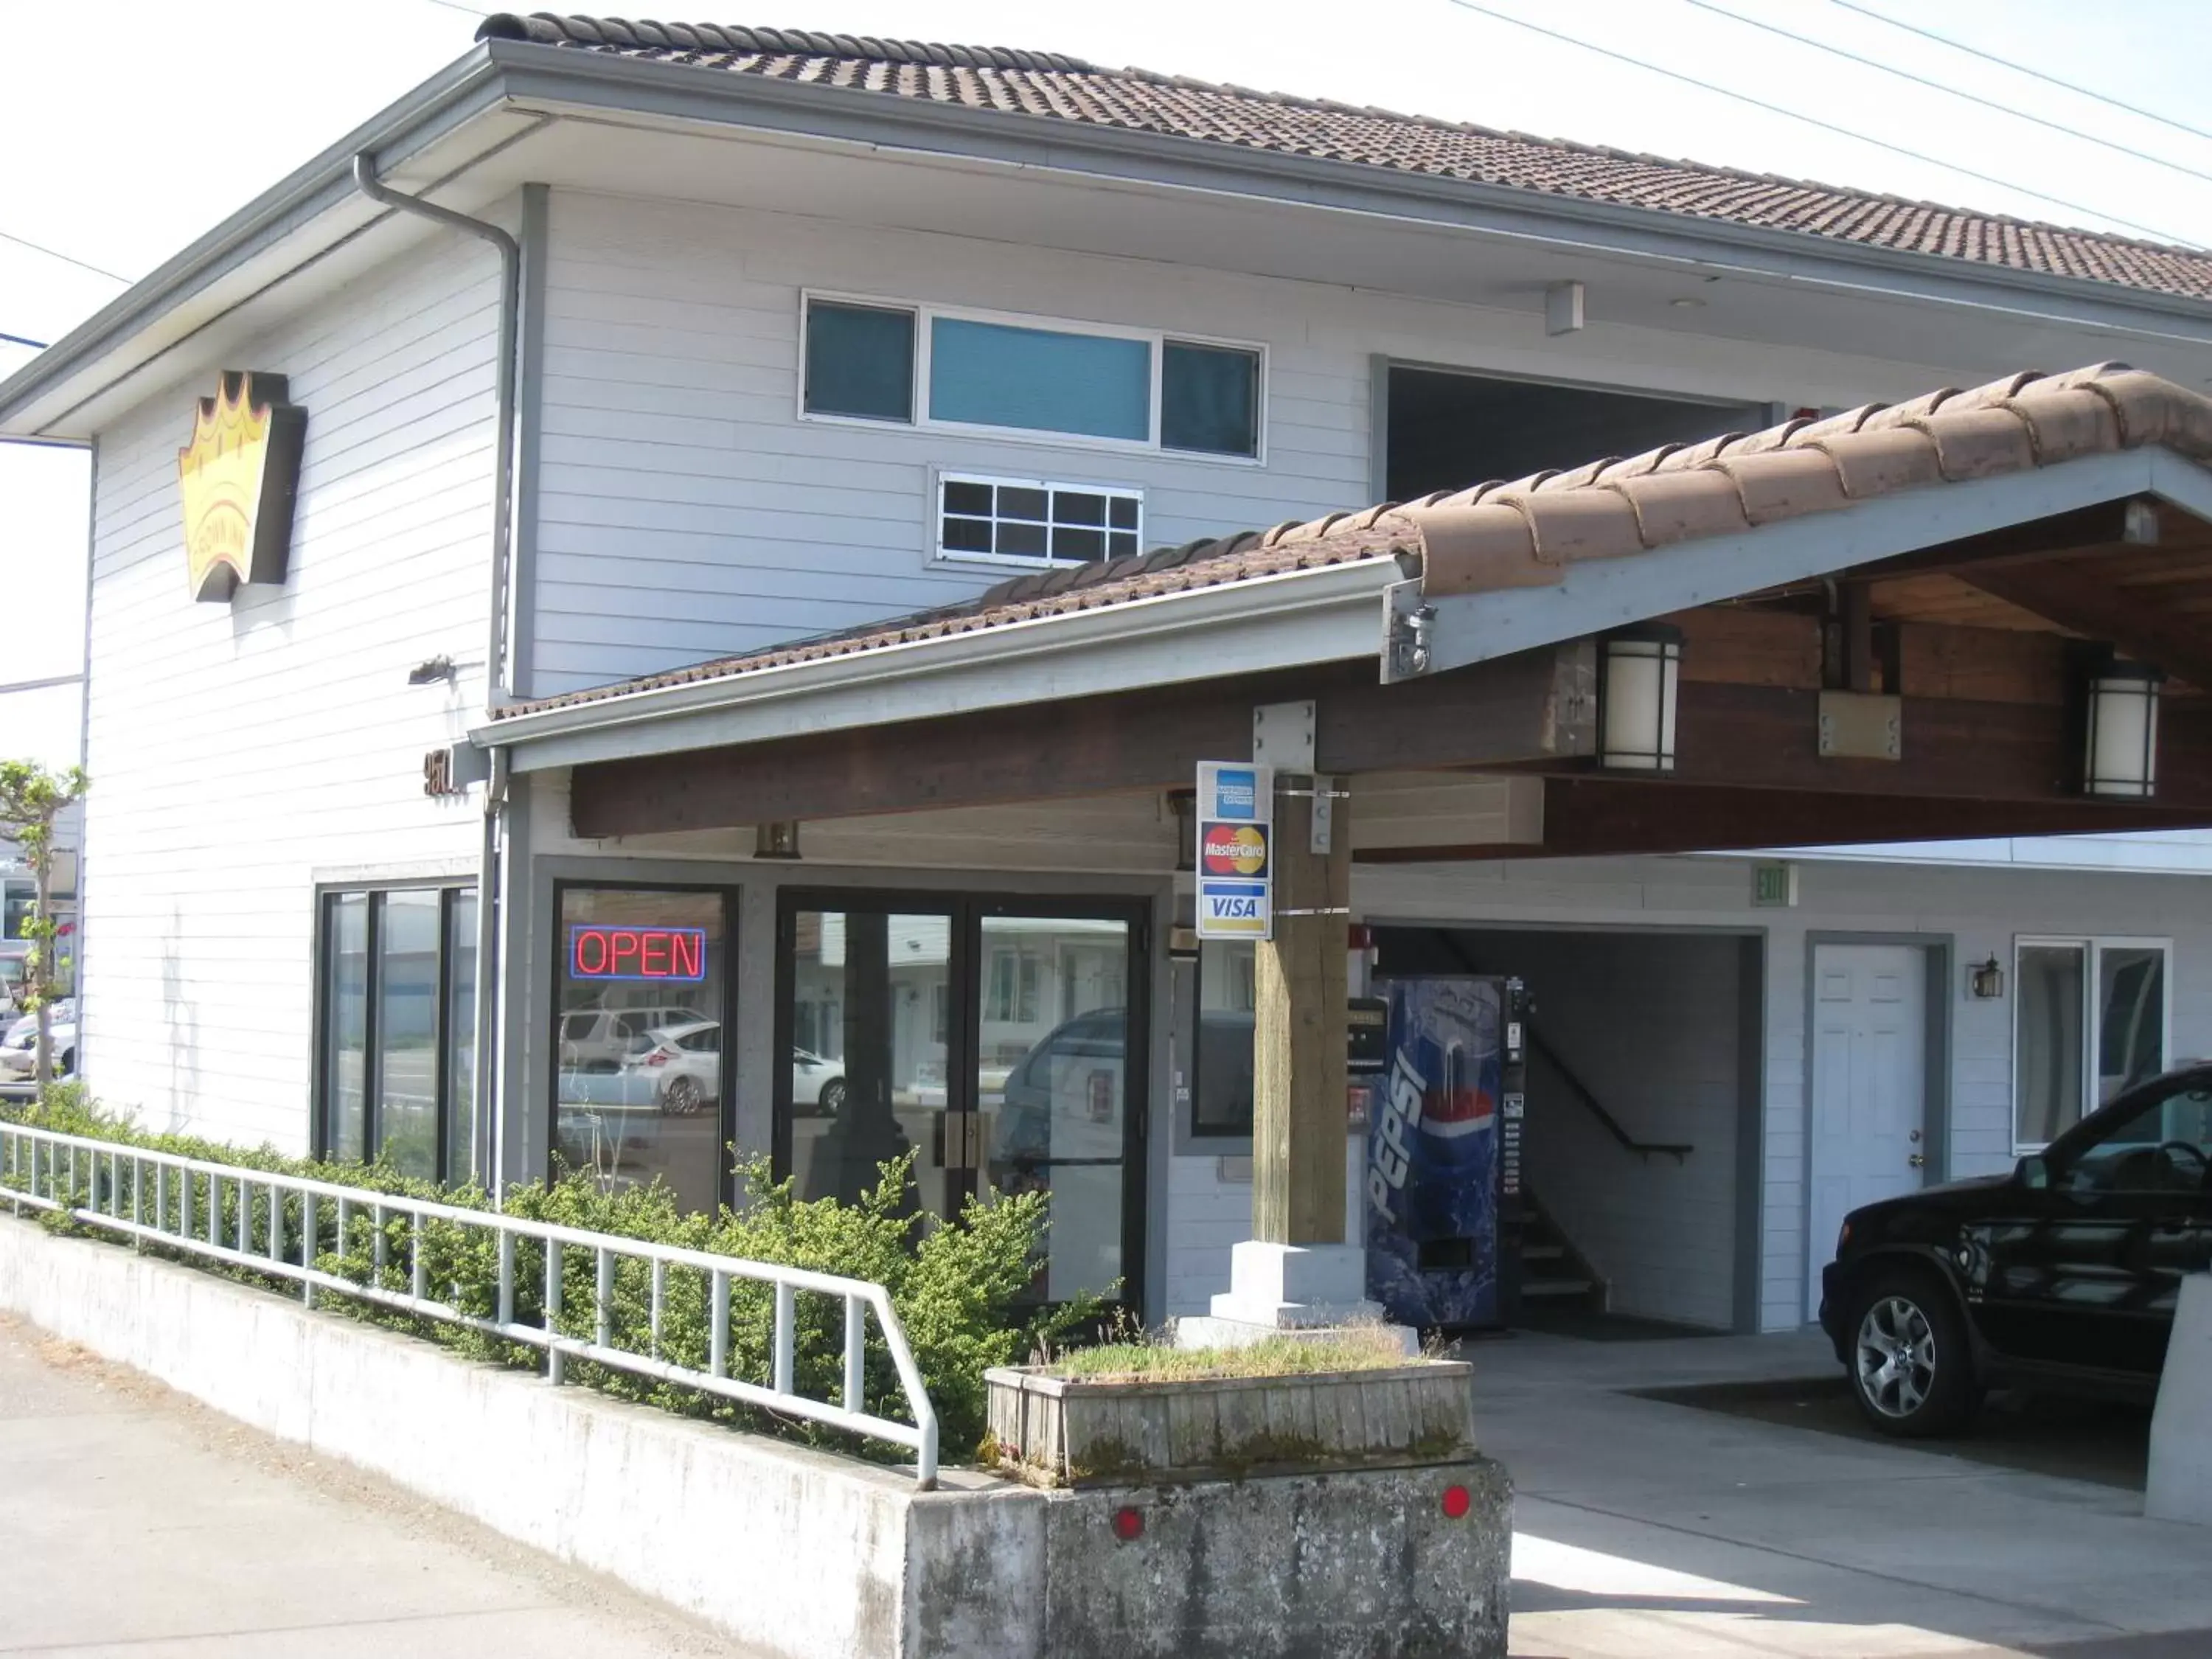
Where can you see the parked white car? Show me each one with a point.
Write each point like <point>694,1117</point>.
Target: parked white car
<point>816,1082</point>
<point>604,1039</point>
<point>684,1062</point>
<point>18,1049</point>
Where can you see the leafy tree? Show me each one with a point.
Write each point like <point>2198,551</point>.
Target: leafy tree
<point>31,799</point>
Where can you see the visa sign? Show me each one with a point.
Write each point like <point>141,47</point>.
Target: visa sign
<point>1235,827</point>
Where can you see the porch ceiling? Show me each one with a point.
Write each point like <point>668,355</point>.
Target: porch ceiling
<point>1953,552</point>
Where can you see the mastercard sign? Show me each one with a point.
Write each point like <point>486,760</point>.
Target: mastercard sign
<point>1236,813</point>
<point>1234,849</point>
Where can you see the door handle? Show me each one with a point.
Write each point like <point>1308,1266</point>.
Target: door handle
<point>1916,1161</point>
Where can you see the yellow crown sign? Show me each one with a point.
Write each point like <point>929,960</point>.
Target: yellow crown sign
<point>239,477</point>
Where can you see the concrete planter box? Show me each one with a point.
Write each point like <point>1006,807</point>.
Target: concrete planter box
<point>1062,1432</point>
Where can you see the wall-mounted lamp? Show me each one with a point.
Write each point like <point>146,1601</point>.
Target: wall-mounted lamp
<point>2121,760</point>
<point>1986,980</point>
<point>437,668</point>
<point>776,841</point>
<point>1639,674</point>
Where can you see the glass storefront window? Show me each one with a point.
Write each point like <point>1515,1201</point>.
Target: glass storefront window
<point>2089,1024</point>
<point>407,1070</point>
<point>345,992</point>
<point>1220,1059</point>
<point>396,1004</point>
<point>641,999</point>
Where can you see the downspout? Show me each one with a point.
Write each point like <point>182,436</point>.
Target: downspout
<point>498,688</point>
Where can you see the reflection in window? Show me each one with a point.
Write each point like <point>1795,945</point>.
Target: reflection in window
<point>407,1070</point>
<point>2089,1024</point>
<point>639,1079</point>
<point>346,1027</point>
<point>1221,1061</point>
<point>397,1007</point>
<point>1052,1083</point>
<point>460,1032</point>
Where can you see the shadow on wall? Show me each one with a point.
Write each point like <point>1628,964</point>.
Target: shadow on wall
<point>180,1022</point>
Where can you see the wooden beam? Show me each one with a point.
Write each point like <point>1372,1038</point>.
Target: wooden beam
<point>2081,597</point>
<point>1756,737</point>
<point>1298,1028</point>
<point>1590,818</point>
<point>1536,704</point>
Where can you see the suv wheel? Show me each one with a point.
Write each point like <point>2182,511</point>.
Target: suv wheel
<point>1911,1372</point>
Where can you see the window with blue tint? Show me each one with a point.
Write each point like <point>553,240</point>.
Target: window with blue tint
<point>1039,379</point>
<point>1209,398</point>
<point>860,361</point>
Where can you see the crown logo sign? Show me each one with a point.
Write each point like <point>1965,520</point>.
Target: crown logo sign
<point>238,478</point>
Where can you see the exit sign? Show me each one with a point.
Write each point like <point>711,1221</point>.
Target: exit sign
<point>1774,886</point>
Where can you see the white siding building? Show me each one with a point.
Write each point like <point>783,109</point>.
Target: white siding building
<point>283,919</point>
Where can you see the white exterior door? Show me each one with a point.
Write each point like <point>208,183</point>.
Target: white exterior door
<point>1869,1085</point>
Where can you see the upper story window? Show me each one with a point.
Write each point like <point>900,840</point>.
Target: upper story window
<point>918,364</point>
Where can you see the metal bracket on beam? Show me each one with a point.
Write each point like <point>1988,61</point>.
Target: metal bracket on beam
<point>1283,736</point>
<point>1406,618</point>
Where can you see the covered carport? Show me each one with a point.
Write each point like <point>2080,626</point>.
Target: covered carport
<point>1977,613</point>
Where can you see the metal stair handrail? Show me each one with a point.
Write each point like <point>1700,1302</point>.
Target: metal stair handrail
<point>1643,1149</point>
<point>151,1197</point>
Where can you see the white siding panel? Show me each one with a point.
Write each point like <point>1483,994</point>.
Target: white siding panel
<point>671,432</point>
<point>238,751</point>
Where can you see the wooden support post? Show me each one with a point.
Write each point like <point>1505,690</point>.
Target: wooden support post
<point>1298,1031</point>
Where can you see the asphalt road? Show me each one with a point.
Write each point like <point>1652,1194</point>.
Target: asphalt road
<point>136,1523</point>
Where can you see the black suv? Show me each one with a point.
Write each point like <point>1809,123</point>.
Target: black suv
<point>2061,1276</point>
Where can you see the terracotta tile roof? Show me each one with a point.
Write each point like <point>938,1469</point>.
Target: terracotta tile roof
<point>1524,533</point>
<point>1051,86</point>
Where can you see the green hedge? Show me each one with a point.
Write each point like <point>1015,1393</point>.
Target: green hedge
<point>956,1288</point>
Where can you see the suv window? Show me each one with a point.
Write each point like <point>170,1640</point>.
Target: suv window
<point>2162,1146</point>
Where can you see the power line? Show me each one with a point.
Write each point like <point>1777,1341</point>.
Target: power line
<point>55,253</point>
<point>1951,91</point>
<point>17,339</point>
<point>2021,68</point>
<point>1815,121</point>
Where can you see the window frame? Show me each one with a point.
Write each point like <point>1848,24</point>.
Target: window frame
<point>725,1014</point>
<point>327,894</point>
<point>2092,947</point>
<point>939,554</point>
<point>925,311</point>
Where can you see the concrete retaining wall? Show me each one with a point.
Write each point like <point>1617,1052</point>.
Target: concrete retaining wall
<point>806,1555</point>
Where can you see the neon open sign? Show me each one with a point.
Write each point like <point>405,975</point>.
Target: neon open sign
<point>656,953</point>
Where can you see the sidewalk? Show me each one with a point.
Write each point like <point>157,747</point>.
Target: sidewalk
<point>137,1523</point>
<point>1648,1530</point>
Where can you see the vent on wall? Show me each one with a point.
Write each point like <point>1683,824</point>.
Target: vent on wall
<point>1033,521</point>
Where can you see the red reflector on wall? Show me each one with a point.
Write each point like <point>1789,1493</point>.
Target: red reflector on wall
<point>1129,1525</point>
<point>1457,1502</point>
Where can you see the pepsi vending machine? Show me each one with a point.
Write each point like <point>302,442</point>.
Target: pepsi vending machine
<point>1444,1153</point>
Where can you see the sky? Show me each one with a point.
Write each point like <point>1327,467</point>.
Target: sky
<point>118,158</point>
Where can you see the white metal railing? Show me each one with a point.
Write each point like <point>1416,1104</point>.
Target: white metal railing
<point>274,1224</point>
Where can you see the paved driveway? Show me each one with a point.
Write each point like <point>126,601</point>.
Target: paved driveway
<point>1647,1530</point>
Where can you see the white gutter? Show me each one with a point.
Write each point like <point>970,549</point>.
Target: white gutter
<point>1293,620</point>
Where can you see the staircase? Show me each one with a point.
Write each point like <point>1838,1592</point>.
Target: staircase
<point>1554,1274</point>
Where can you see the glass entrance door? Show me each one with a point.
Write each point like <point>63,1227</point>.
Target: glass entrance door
<point>992,1041</point>
<point>1053,1078</point>
<point>869,1001</point>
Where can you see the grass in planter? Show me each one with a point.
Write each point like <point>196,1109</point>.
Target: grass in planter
<point>1156,1359</point>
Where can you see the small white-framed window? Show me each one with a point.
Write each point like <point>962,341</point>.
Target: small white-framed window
<point>1035,522</point>
<point>1037,379</point>
<point>2091,1017</point>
